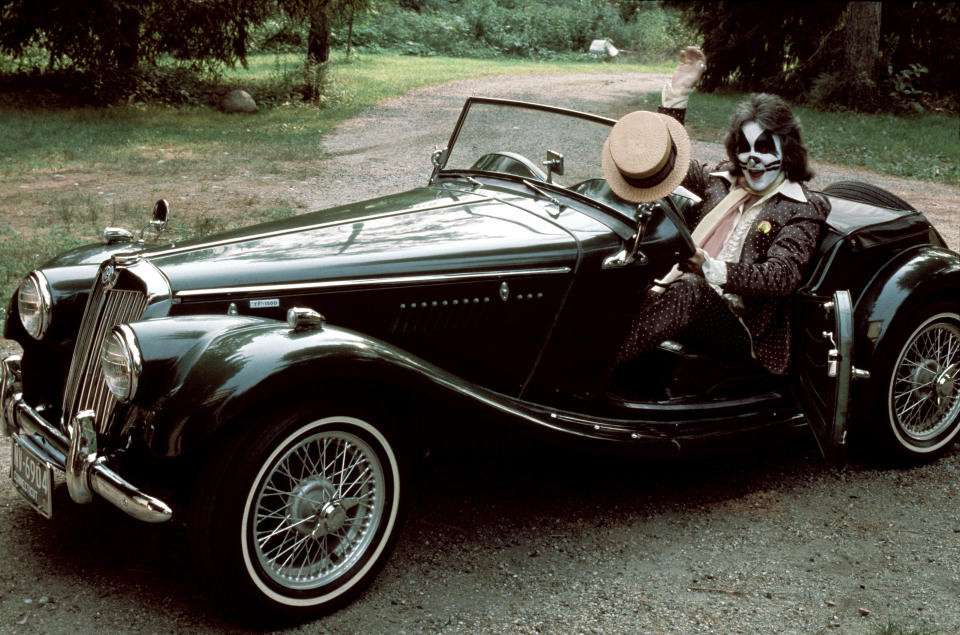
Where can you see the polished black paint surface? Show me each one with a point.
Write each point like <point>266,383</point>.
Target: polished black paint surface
<point>425,231</point>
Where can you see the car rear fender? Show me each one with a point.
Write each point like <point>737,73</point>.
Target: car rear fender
<point>201,372</point>
<point>914,278</point>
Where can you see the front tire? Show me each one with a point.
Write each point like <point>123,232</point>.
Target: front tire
<point>921,392</point>
<point>297,519</point>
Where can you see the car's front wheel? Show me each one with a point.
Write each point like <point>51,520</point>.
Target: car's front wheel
<point>296,518</point>
<point>921,392</point>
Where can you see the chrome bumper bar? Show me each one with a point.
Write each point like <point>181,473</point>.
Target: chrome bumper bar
<point>86,471</point>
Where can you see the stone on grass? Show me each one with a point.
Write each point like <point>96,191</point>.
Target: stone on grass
<point>238,101</point>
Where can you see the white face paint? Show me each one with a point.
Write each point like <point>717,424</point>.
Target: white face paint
<point>759,153</point>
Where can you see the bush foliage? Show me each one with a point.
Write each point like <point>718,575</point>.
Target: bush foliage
<point>488,28</point>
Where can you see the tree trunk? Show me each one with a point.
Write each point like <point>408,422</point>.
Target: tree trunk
<point>860,49</point>
<point>318,52</point>
<point>350,31</point>
<point>127,49</point>
<point>318,42</point>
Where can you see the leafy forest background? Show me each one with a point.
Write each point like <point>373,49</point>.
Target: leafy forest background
<point>868,56</point>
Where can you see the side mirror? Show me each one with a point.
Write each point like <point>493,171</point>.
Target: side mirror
<point>161,214</point>
<point>438,158</point>
<point>554,165</point>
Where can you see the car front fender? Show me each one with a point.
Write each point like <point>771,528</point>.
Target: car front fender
<point>200,372</point>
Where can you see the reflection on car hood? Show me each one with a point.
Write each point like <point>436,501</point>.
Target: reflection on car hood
<point>426,230</point>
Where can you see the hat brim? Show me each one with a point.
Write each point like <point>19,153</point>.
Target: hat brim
<point>669,183</point>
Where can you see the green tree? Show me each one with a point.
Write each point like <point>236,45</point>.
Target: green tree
<point>764,45</point>
<point>112,38</point>
<point>320,16</point>
<point>840,53</point>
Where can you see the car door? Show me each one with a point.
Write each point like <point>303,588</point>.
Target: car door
<point>824,368</point>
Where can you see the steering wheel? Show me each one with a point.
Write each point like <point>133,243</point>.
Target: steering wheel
<point>509,163</point>
<point>671,210</point>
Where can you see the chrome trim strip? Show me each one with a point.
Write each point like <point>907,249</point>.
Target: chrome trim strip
<point>294,230</point>
<point>334,284</point>
<point>158,289</point>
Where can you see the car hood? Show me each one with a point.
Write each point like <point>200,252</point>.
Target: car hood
<point>423,231</point>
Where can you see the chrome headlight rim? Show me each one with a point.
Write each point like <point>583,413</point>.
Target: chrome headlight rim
<point>37,323</point>
<point>126,342</point>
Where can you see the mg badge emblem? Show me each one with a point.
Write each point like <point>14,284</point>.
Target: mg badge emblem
<point>108,276</point>
<point>504,291</point>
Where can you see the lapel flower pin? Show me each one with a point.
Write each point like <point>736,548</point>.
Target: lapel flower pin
<point>764,227</point>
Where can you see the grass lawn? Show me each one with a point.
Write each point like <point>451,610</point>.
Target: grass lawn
<point>135,136</point>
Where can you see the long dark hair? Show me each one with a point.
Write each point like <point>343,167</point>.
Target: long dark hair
<point>774,115</point>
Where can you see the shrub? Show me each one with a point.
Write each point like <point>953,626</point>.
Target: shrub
<point>903,87</point>
<point>527,28</point>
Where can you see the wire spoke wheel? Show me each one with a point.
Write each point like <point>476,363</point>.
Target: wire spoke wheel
<point>924,392</point>
<point>316,508</point>
<point>292,515</point>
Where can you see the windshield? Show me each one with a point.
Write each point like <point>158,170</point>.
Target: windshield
<point>517,139</point>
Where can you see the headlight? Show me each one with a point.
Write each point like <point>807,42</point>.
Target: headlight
<point>34,304</point>
<point>120,361</point>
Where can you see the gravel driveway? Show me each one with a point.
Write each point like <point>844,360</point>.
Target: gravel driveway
<point>526,541</point>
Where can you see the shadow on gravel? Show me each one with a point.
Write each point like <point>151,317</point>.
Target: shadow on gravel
<point>497,504</point>
<point>538,482</point>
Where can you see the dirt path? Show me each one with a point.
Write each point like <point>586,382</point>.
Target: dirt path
<point>768,542</point>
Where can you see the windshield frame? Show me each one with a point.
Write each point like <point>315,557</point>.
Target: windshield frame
<point>496,101</point>
<point>442,170</point>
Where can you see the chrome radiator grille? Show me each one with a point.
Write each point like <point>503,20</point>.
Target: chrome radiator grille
<point>86,389</point>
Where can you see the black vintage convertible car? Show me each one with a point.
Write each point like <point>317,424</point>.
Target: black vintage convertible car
<point>266,386</point>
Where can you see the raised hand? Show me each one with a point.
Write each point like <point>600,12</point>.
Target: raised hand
<point>692,64</point>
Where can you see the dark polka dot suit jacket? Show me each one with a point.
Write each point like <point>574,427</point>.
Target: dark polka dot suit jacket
<point>774,258</point>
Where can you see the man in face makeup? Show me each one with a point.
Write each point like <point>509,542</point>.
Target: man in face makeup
<point>756,227</point>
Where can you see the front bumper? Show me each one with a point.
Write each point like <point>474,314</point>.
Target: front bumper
<point>87,471</point>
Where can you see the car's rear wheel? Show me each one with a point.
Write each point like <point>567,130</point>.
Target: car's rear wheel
<point>295,518</point>
<point>921,391</point>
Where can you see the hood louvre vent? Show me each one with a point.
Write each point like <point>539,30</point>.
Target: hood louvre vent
<point>450,314</point>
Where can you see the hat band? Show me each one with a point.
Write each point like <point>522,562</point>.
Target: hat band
<point>661,174</point>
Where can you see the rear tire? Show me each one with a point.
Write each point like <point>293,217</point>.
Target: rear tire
<point>920,390</point>
<point>293,518</point>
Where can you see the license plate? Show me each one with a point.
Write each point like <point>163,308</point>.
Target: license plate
<point>32,476</point>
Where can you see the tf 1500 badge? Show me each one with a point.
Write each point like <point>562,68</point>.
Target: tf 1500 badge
<point>265,304</point>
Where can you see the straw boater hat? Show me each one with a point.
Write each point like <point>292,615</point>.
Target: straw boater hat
<point>646,156</point>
